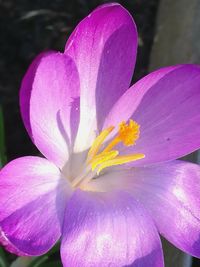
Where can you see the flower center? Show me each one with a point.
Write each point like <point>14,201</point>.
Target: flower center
<point>99,158</point>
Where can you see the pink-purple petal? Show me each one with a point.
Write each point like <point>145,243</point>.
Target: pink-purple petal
<point>26,88</point>
<point>32,203</point>
<point>49,97</point>
<point>113,229</point>
<point>103,47</point>
<point>171,193</point>
<point>166,105</point>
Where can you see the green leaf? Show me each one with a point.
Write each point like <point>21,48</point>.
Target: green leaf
<point>38,261</point>
<point>3,260</point>
<point>52,264</point>
<point>54,250</point>
<point>2,141</point>
<point>21,262</point>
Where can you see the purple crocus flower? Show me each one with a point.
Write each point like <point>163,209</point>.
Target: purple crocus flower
<point>110,183</point>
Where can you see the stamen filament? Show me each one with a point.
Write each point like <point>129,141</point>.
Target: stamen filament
<point>83,173</point>
<point>120,160</point>
<point>98,142</point>
<point>86,179</point>
<point>112,144</point>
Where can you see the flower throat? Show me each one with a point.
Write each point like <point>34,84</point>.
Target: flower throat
<point>127,134</point>
<point>99,158</point>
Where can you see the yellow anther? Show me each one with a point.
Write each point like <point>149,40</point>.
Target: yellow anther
<point>98,142</point>
<point>119,160</point>
<point>102,157</point>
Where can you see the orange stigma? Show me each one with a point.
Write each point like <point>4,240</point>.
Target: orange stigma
<point>129,133</point>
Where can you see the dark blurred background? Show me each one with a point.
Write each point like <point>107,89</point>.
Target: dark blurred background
<point>29,27</point>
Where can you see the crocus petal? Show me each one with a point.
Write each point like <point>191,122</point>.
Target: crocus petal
<point>103,229</point>
<point>166,105</point>
<point>103,46</point>
<point>49,96</point>
<point>170,192</point>
<point>32,202</point>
